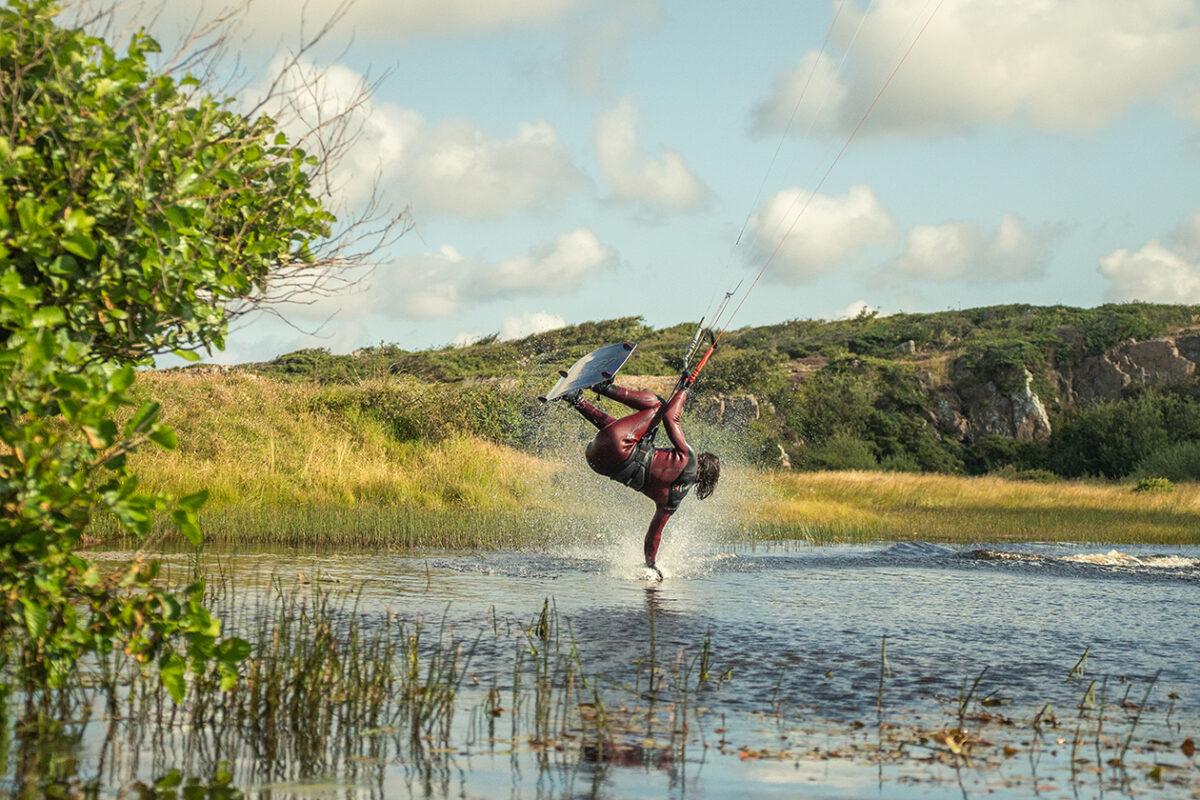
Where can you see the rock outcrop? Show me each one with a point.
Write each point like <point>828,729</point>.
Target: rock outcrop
<point>986,409</point>
<point>967,406</point>
<point>719,408</point>
<point>1104,377</point>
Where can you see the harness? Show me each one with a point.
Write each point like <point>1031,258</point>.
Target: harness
<point>635,472</point>
<point>684,483</point>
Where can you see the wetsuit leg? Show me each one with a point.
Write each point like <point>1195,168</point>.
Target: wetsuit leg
<point>634,398</point>
<point>594,415</point>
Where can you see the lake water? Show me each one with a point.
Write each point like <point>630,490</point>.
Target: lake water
<point>833,671</point>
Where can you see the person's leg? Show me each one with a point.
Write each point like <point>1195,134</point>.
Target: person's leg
<point>593,415</point>
<point>634,398</point>
<point>616,441</point>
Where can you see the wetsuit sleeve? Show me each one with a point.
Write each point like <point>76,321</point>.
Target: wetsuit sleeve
<point>671,422</point>
<point>654,533</point>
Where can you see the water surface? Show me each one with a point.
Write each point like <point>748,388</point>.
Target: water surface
<point>810,650</point>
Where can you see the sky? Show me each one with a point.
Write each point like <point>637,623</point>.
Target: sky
<point>572,160</point>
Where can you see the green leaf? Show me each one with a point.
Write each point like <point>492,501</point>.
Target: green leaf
<point>188,526</point>
<point>121,380</point>
<point>233,650</point>
<point>36,618</point>
<point>193,501</point>
<point>70,383</point>
<point>187,355</point>
<point>143,418</point>
<point>170,671</point>
<point>79,244</point>
<point>169,781</point>
<point>164,437</point>
<point>48,317</point>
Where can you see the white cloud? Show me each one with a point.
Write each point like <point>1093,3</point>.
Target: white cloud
<point>855,310</point>
<point>434,285</point>
<point>805,234</point>
<point>456,170</point>
<point>450,168</point>
<point>955,250</point>
<point>552,267</point>
<point>1158,273</point>
<point>800,95</point>
<point>662,183</point>
<point>1056,64</point>
<point>529,323</point>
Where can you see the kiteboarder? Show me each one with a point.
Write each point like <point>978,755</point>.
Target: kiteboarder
<point>624,451</point>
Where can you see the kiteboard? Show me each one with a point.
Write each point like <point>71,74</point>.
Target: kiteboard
<point>596,367</point>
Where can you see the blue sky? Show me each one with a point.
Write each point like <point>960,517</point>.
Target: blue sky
<point>572,160</point>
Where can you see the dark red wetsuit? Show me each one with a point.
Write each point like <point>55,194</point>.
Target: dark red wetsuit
<point>664,474</point>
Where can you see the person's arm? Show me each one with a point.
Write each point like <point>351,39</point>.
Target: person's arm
<point>671,421</point>
<point>654,534</point>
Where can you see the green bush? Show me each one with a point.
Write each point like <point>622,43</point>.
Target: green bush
<point>1154,486</point>
<point>1178,462</point>
<point>1110,439</point>
<point>838,452</point>
<point>992,453</point>
<point>1012,473</point>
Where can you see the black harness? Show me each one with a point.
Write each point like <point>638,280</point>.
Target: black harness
<point>684,483</point>
<point>635,472</point>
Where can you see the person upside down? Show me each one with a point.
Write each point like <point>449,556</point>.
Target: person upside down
<point>624,451</point>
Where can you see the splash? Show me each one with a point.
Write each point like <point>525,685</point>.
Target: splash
<point>607,522</point>
<point>1115,558</point>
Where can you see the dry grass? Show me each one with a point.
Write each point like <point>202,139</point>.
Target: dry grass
<point>850,506</point>
<point>257,442</point>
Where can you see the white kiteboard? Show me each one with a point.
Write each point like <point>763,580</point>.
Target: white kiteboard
<point>596,367</point>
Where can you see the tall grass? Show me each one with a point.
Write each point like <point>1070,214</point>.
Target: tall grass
<point>860,506</point>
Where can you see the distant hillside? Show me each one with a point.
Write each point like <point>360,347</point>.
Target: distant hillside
<point>1027,390</point>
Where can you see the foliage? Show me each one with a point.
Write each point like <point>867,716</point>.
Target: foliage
<point>1179,462</point>
<point>733,370</point>
<point>1111,439</point>
<point>993,453</point>
<point>1154,486</point>
<point>840,451</point>
<point>132,206</point>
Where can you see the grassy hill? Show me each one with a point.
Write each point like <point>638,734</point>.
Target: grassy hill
<point>867,393</point>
